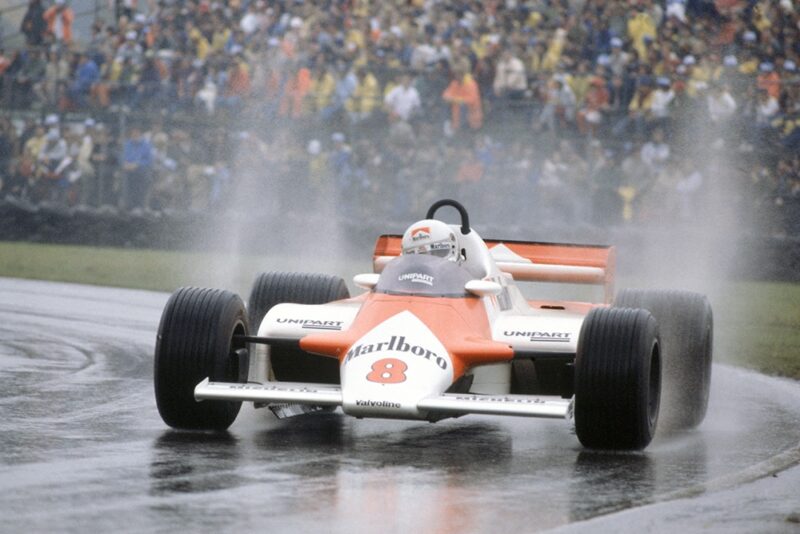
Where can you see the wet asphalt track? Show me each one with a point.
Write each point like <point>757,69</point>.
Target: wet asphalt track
<point>82,447</point>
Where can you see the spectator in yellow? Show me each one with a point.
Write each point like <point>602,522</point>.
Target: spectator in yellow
<point>533,20</point>
<point>748,61</point>
<point>640,26</point>
<point>361,8</point>
<point>34,145</point>
<point>760,16</point>
<point>484,45</point>
<point>356,37</point>
<point>366,96</point>
<point>322,86</point>
<point>202,45</point>
<point>221,36</point>
<point>698,76</point>
<point>639,112</point>
<point>642,101</point>
<point>554,49</point>
<point>704,69</point>
<point>580,81</point>
<point>535,58</point>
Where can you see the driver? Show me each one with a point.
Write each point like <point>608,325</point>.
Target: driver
<point>430,236</point>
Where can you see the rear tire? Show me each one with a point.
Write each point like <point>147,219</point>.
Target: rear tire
<point>617,379</point>
<point>195,341</point>
<point>686,325</point>
<point>269,289</point>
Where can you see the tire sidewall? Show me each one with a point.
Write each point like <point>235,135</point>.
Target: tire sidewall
<point>195,342</point>
<point>686,327</point>
<point>617,361</point>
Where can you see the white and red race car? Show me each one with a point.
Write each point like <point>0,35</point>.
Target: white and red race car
<point>431,338</point>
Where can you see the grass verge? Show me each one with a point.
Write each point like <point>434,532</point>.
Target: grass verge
<point>153,269</point>
<point>757,324</point>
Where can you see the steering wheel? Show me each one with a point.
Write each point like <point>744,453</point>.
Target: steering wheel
<point>454,204</point>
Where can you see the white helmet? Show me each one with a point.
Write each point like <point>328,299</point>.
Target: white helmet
<point>430,236</point>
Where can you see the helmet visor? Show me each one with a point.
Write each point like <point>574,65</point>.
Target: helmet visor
<point>441,249</point>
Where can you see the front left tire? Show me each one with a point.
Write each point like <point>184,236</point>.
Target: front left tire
<point>197,340</point>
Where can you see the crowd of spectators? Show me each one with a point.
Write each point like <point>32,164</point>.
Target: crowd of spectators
<point>604,111</point>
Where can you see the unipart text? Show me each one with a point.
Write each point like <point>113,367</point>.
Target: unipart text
<point>540,336</point>
<point>417,278</point>
<point>313,324</point>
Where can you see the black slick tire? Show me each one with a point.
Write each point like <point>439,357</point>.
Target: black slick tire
<point>686,326</point>
<point>290,364</point>
<point>196,341</point>
<point>617,379</point>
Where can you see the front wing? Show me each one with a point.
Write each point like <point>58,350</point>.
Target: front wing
<point>325,395</point>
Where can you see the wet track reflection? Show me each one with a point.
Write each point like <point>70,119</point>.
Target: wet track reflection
<point>82,447</point>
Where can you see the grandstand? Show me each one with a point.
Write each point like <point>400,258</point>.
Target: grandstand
<point>607,113</point>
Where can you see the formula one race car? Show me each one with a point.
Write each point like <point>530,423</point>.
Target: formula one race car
<point>442,330</point>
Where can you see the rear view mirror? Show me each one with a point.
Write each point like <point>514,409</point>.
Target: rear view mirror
<point>366,280</point>
<point>483,288</point>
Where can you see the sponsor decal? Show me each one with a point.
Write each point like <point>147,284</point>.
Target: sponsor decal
<point>312,324</point>
<point>260,387</point>
<point>388,371</point>
<point>441,245</point>
<point>417,278</point>
<point>418,234</point>
<point>395,344</point>
<point>377,404</point>
<point>558,337</point>
<point>503,300</point>
<point>510,400</point>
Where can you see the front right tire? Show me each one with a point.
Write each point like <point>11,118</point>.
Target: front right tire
<point>617,379</point>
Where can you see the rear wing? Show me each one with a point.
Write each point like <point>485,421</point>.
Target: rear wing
<point>532,262</point>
